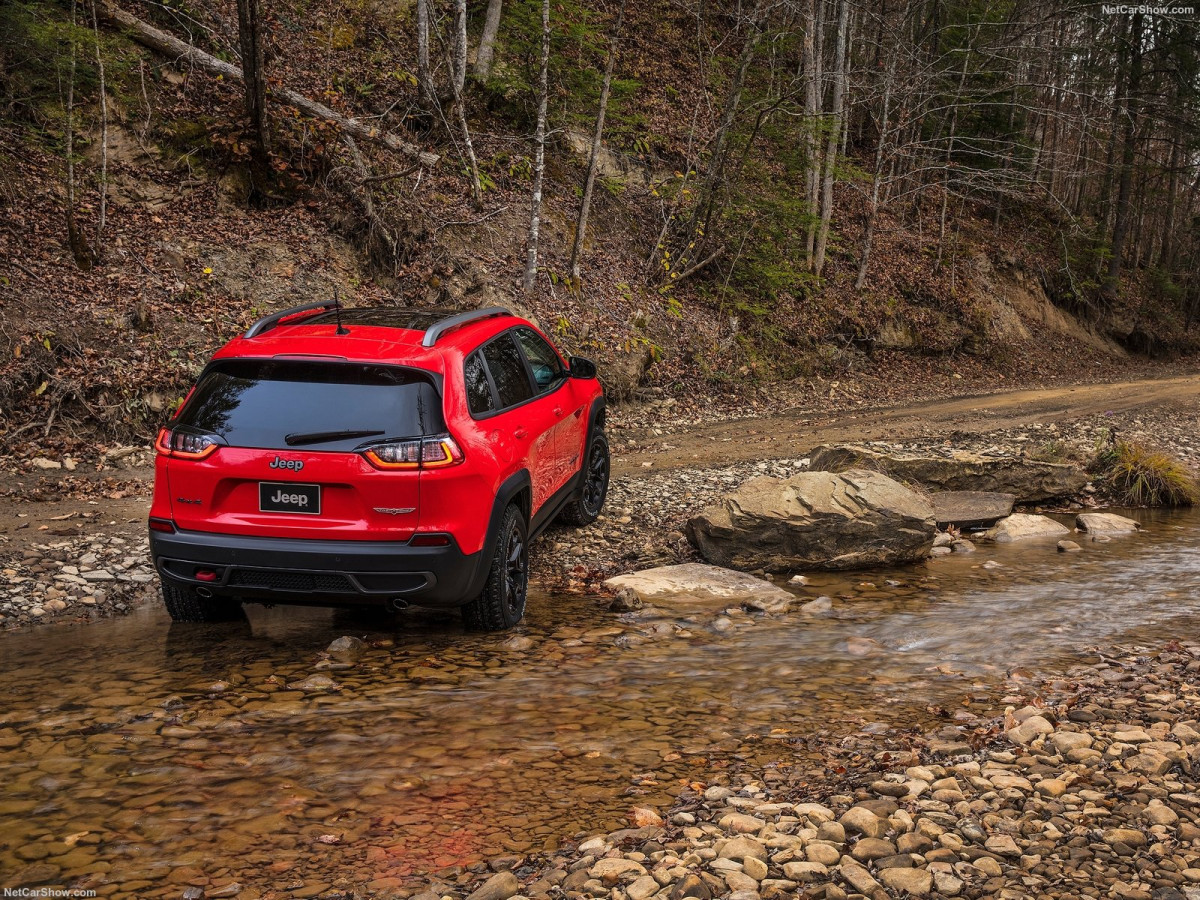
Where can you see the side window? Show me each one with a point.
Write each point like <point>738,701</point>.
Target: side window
<point>508,371</point>
<point>479,392</point>
<point>547,368</point>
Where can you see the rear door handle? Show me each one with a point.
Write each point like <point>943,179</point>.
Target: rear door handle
<point>558,412</point>
<point>520,433</point>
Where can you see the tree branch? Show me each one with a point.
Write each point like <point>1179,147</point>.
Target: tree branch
<point>161,42</point>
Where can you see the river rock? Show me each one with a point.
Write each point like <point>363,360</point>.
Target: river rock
<point>500,886</point>
<point>971,507</point>
<point>691,885</point>
<point>1028,730</point>
<point>615,868</point>
<point>914,882</point>
<point>858,877</point>
<point>698,582</point>
<point>859,820</point>
<point>1105,523</point>
<point>741,847</point>
<point>346,645</point>
<point>816,520</point>
<point>804,872</point>
<point>625,600</point>
<point>315,683</point>
<point>1023,526</point>
<point>1030,481</point>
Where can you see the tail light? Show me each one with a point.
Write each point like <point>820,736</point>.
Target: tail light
<point>417,453</point>
<point>166,526</point>
<point>186,445</point>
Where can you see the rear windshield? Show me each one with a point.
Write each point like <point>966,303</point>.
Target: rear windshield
<point>289,404</point>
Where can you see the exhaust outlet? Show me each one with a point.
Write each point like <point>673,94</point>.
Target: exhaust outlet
<point>204,592</point>
<point>396,604</point>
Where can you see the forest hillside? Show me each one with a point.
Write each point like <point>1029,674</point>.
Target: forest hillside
<point>705,196</point>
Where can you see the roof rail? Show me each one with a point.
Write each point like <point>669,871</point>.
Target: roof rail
<point>266,323</point>
<point>435,331</point>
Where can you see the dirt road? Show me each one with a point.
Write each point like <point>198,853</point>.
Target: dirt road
<point>794,432</point>
<point>790,433</point>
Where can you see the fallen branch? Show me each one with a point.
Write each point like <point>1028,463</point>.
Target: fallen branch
<point>387,176</point>
<point>479,221</point>
<point>703,264</point>
<point>149,36</point>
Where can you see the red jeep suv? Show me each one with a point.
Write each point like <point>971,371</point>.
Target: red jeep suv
<point>388,456</point>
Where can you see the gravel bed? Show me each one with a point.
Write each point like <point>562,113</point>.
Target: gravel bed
<point>1089,787</point>
<point>86,578</point>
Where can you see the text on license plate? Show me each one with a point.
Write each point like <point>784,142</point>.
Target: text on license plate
<point>287,497</point>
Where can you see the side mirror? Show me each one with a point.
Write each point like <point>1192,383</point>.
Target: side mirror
<point>581,367</point>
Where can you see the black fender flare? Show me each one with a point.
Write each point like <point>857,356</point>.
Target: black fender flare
<point>509,489</point>
<point>596,421</point>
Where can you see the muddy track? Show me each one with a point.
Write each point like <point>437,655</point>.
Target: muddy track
<point>795,432</point>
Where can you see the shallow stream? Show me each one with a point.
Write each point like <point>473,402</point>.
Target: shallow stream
<point>139,757</point>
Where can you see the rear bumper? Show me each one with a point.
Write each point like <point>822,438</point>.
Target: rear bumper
<point>318,572</point>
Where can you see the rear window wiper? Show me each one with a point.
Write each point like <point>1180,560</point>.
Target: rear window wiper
<point>317,437</point>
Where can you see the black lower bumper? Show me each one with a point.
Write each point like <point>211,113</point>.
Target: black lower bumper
<point>318,572</point>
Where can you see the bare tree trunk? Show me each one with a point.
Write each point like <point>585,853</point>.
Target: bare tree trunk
<point>487,40</point>
<point>962,80</point>
<point>459,73</point>
<point>835,131</point>
<point>1106,190</point>
<point>253,77</point>
<point>539,165</point>
<point>1165,253</point>
<point>425,87</point>
<point>873,210</point>
<point>476,184</point>
<point>716,163</point>
<point>1125,181</point>
<point>594,157</point>
<point>75,239</point>
<point>103,212</point>
<point>169,45</point>
<point>811,93</point>
<point>1008,154</point>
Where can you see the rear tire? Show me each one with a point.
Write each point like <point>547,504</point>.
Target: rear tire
<point>585,506</point>
<point>185,605</point>
<point>502,603</point>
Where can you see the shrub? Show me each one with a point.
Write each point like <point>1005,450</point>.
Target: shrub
<point>1139,476</point>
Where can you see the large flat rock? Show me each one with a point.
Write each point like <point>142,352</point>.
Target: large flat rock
<point>1105,523</point>
<point>971,507</point>
<point>1028,480</point>
<point>1024,527</point>
<point>697,582</point>
<point>816,520</point>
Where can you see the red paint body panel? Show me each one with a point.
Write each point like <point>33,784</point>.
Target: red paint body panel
<point>360,502</point>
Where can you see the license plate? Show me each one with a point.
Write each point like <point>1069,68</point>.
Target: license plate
<point>287,497</point>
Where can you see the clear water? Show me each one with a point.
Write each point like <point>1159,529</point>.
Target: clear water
<point>139,757</point>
